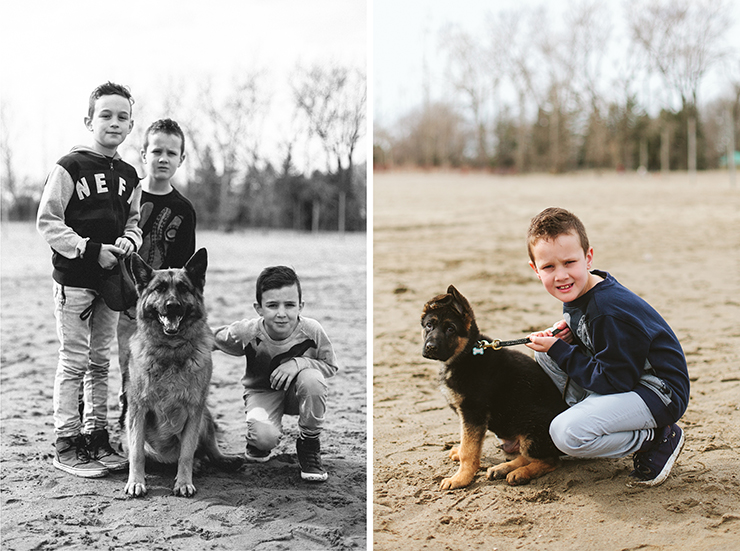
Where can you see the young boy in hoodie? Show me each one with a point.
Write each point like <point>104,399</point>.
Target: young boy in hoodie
<point>616,361</point>
<point>88,214</point>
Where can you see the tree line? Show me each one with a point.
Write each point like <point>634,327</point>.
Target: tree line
<point>230,177</point>
<point>531,96</point>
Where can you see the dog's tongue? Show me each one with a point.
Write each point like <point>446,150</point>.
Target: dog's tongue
<point>171,324</point>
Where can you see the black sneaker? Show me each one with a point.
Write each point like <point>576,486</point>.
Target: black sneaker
<point>309,456</point>
<point>257,455</point>
<point>654,465</point>
<point>71,456</point>
<point>99,448</point>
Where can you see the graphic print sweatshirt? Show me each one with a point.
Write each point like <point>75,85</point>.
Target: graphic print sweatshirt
<point>308,345</point>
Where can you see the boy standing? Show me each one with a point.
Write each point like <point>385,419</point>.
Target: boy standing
<point>288,359</point>
<point>88,214</point>
<point>620,366</point>
<point>167,222</point>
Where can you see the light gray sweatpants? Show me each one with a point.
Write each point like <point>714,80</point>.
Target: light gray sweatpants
<point>597,425</point>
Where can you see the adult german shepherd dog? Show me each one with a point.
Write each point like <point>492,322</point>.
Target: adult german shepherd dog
<point>167,418</point>
<point>503,390</point>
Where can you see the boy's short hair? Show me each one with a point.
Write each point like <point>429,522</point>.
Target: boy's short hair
<point>165,126</point>
<point>553,222</point>
<point>277,277</point>
<point>109,89</point>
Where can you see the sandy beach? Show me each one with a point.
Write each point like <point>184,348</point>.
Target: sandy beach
<point>675,243</point>
<point>263,507</point>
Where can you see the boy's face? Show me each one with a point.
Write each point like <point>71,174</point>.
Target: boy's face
<point>110,124</point>
<point>562,266</point>
<point>280,309</point>
<point>162,155</point>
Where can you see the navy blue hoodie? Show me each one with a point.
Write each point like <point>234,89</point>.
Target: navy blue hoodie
<point>625,345</point>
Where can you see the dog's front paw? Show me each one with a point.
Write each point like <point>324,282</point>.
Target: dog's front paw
<point>184,490</point>
<point>454,483</point>
<point>517,478</point>
<point>454,454</point>
<point>135,489</point>
<point>498,472</point>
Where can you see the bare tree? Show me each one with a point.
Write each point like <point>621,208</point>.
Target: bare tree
<point>556,71</point>
<point>682,40</point>
<point>7,170</point>
<point>333,101</point>
<point>232,126</point>
<point>513,33</point>
<point>471,73</point>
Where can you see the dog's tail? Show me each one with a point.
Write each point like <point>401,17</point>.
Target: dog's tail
<point>210,450</point>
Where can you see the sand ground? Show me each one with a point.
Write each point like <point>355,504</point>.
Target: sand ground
<point>675,243</point>
<point>264,507</point>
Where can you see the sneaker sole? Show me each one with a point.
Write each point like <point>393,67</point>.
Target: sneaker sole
<point>254,459</point>
<point>314,477</point>
<point>663,474</point>
<point>84,473</point>
<point>116,467</point>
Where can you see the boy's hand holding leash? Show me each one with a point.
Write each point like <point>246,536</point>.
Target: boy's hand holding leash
<point>541,341</point>
<point>126,246</point>
<point>109,254</point>
<point>108,257</point>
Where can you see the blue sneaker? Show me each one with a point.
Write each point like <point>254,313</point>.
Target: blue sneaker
<point>653,466</point>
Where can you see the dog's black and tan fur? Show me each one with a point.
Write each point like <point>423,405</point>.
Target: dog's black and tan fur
<point>503,391</point>
<point>170,372</point>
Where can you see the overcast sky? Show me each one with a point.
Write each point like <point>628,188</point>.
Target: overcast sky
<point>406,33</point>
<point>53,53</point>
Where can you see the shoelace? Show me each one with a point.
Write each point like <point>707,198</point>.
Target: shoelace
<point>642,468</point>
<point>82,454</point>
<point>312,459</point>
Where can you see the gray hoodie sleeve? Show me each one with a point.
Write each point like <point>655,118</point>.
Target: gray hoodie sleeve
<point>50,218</point>
<point>132,230</point>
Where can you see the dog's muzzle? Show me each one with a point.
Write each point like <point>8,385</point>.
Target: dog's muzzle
<point>429,350</point>
<point>171,319</point>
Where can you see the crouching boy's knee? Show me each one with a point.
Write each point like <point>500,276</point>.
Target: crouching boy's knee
<point>261,432</point>
<point>568,440</point>
<point>310,382</point>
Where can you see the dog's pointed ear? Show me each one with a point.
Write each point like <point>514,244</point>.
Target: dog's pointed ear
<point>460,303</point>
<point>141,272</point>
<point>458,300</point>
<point>196,268</point>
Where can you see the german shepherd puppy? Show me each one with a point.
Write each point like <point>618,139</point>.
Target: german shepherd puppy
<point>167,418</point>
<point>503,390</point>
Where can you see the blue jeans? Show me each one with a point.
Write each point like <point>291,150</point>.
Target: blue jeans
<point>305,397</point>
<point>596,425</point>
<point>84,359</point>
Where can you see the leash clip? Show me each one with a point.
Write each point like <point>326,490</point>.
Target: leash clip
<point>482,345</point>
